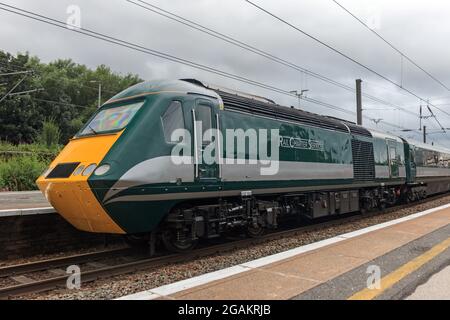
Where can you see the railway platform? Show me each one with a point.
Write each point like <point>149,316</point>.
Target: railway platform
<point>23,203</point>
<point>399,259</point>
<point>29,226</point>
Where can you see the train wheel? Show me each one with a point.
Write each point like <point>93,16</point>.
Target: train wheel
<point>410,197</point>
<point>382,205</point>
<point>366,205</point>
<point>173,242</point>
<point>255,232</point>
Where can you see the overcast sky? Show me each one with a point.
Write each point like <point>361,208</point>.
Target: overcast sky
<point>421,29</point>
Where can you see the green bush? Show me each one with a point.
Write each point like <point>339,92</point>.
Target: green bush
<point>8,152</point>
<point>50,133</point>
<point>20,173</point>
<point>30,147</point>
<point>2,183</point>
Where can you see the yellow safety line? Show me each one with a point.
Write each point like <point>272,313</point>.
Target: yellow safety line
<point>395,276</point>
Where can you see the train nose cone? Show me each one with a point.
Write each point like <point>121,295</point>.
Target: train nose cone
<point>66,185</point>
<point>75,202</point>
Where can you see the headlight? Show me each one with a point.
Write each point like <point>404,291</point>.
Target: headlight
<point>78,170</point>
<point>89,169</point>
<point>104,168</point>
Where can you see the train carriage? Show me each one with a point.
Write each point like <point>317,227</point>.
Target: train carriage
<point>120,174</point>
<point>429,165</point>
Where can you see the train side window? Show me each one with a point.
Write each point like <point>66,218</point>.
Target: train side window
<point>380,152</point>
<point>172,119</point>
<point>203,115</point>
<point>393,154</point>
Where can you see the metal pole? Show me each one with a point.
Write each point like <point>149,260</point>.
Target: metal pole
<point>420,117</point>
<point>424,134</point>
<point>13,88</point>
<point>17,72</point>
<point>99,94</point>
<point>358,102</point>
<point>25,92</point>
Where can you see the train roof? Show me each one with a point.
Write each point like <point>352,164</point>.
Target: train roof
<point>384,135</point>
<point>239,101</point>
<point>427,146</point>
<point>257,105</point>
<point>160,86</point>
<point>245,102</point>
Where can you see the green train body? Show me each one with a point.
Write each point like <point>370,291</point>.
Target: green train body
<point>326,166</point>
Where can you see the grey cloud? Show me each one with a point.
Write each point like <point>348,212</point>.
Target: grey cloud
<point>419,29</point>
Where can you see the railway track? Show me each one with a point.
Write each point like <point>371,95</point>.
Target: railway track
<point>40,265</point>
<point>138,264</point>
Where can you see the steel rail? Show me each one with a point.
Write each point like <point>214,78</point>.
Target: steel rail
<point>155,262</point>
<point>40,265</point>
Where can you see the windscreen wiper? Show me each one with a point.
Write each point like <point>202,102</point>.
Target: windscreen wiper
<point>92,129</point>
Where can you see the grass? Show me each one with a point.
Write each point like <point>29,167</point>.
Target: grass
<point>32,147</point>
<point>21,165</point>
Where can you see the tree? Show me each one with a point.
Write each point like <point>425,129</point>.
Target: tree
<point>68,97</point>
<point>50,134</point>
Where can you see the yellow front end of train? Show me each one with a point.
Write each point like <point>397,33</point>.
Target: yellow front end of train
<point>69,192</point>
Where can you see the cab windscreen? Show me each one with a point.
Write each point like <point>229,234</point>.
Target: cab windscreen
<point>111,119</point>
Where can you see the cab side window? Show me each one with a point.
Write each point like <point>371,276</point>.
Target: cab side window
<point>393,155</point>
<point>203,115</point>
<point>172,119</point>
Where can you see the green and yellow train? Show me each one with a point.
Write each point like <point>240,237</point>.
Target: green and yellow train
<point>120,175</point>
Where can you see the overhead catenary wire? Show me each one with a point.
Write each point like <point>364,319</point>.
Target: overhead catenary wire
<point>37,73</point>
<point>402,54</point>
<point>12,66</point>
<point>25,92</point>
<point>14,73</point>
<point>231,40</point>
<point>393,90</point>
<point>342,54</point>
<point>55,102</point>
<point>116,41</point>
<point>136,47</point>
<point>14,87</point>
<point>60,102</point>
<point>435,118</point>
<point>130,45</point>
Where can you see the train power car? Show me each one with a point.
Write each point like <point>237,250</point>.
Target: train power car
<point>118,174</point>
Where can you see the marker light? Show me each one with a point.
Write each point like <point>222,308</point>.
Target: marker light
<point>104,168</point>
<point>78,170</point>
<point>89,169</point>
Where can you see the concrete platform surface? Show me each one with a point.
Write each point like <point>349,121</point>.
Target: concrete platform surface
<point>436,288</point>
<point>386,261</point>
<point>23,203</point>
